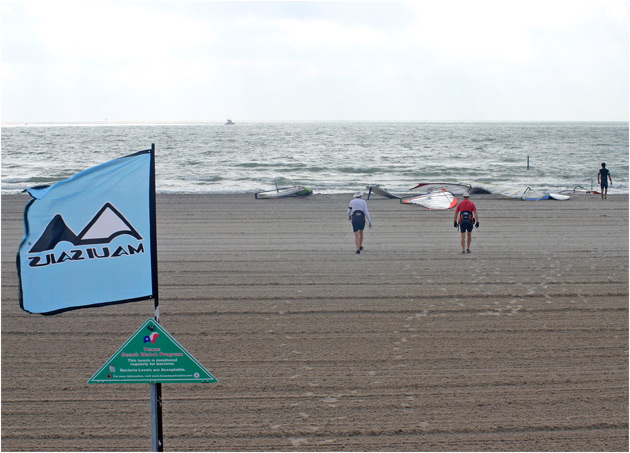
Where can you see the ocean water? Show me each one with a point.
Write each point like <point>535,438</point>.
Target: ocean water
<point>328,157</point>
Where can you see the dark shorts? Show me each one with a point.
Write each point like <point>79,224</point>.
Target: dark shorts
<point>466,227</point>
<point>358,221</point>
<point>604,184</point>
<point>358,225</point>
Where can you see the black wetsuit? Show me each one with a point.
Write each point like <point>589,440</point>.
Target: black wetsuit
<point>603,174</point>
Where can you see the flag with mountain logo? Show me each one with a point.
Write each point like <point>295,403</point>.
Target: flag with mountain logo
<point>89,239</point>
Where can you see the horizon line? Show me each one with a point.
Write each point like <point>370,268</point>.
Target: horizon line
<point>213,122</point>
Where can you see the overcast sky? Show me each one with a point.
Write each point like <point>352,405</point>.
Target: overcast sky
<point>424,60</point>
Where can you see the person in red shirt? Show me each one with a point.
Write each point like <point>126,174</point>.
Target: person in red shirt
<point>467,218</point>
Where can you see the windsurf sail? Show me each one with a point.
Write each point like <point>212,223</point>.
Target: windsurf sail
<point>453,187</point>
<point>433,200</point>
<point>579,189</point>
<point>378,190</point>
<point>522,193</point>
<point>527,193</point>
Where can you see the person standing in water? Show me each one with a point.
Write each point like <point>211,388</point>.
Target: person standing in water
<point>602,179</point>
<point>467,218</point>
<point>357,214</point>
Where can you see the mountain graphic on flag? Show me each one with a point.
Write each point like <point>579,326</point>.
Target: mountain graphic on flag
<point>107,224</point>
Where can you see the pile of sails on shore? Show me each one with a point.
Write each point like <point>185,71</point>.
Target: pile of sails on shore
<point>437,195</point>
<point>522,193</point>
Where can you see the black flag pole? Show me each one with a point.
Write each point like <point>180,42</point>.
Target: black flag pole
<point>152,214</point>
<point>157,441</point>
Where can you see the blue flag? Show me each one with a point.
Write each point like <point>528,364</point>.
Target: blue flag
<point>89,239</point>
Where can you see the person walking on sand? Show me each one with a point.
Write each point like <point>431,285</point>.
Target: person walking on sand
<point>467,217</point>
<point>602,179</point>
<point>357,214</point>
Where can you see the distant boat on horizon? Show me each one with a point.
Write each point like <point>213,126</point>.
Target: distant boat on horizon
<point>229,122</point>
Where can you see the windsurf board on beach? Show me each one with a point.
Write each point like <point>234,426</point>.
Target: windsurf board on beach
<point>283,192</point>
<point>433,200</point>
<point>557,196</point>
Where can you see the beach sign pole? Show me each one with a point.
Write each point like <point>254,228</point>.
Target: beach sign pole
<point>157,443</point>
<point>151,355</point>
<point>157,434</point>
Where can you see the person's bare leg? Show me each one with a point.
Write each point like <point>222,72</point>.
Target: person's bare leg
<point>469,240</point>
<point>463,242</point>
<point>358,238</point>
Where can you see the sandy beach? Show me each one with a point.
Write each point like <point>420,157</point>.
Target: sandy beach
<point>410,346</point>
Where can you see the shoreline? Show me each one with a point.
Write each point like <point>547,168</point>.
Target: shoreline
<point>410,346</point>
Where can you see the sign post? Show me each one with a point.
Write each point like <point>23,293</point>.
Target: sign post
<point>151,355</point>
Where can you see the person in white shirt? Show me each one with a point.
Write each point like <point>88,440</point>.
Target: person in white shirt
<point>357,214</point>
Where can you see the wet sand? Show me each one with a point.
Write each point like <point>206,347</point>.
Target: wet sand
<point>522,345</point>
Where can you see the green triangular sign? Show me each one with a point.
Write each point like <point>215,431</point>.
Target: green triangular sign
<point>151,355</point>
